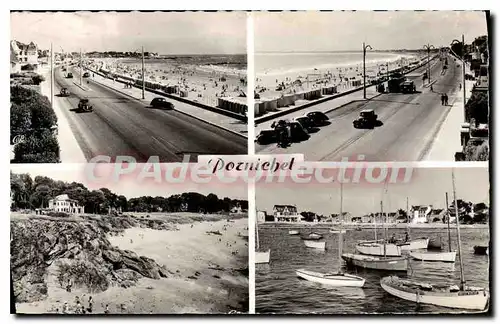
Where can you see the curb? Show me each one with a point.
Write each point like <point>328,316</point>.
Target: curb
<point>81,86</point>
<point>182,112</point>
<point>429,84</point>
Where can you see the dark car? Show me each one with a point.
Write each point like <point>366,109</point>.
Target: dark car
<point>317,117</point>
<point>305,121</point>
<point>69,75</point>
<point>298,133</point>
<point>85,106</point>
<point>266,136</point>
<point>64,92</point>
<point>86,75</point>
<point>161,103</point>
<point>367,119</point>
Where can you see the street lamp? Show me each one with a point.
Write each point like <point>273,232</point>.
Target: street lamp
<point>428,48</point>
<point>365,47</point>
<point>463,67</point>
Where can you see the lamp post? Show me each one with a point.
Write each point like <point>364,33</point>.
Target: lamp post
<point>143,76</point>
<point>365,47</point>
<point>463,68</point>
<point>428,48</point>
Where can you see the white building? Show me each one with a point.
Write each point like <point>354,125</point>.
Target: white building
<point>286,213</point>
<point>22,54</point>
<point>261,216</point>
<point>420,214</point>
<point>63,203</point>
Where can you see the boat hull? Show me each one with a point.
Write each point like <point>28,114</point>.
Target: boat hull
<point>337,280</point>
<point>418,244</point>
<point>262,257</point>
<point>434,256</point>
<point>472,299</point>
<point>376,263</point>
<point>377,249</point>
<point>480,250</point>
<point>313,244</point>
<point>293,232</point>
<point>338,231</point>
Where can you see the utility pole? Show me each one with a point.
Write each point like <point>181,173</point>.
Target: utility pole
<point>81,66</point>
<point>143,76</point>
<point>428,48</point>
<point>51,76</point>
<point>365,47</point>
<point>448,214</point>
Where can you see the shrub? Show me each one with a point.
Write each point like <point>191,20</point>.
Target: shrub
<point>20,119</point>
<point>57,214</point>
<point>477,151</point>
<point>37,79</point>
<point>477,107</point>
<point>38,147</point>
<point>82,274</point>
<point>28,67</point>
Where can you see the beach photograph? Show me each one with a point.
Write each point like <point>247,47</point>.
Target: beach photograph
<point>79,247</point>
<point>372,85</point>
<point>140,84</point>
<point>416,247</point>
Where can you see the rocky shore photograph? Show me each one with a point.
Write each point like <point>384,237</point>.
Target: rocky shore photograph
<point>81,249</point>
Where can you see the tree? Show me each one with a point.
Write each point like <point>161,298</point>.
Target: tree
<point>28,67</point>
<point>37,79</point>
<point>20,119</point>
<point>477,107</point>
<point>308,216</point>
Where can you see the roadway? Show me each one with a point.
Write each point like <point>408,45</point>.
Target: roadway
<point>122,125</point>
<point>410,123</point>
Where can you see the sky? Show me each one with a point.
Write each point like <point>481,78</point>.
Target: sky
<point>161,32</point>
<point>428,186</point>
<point>127,185</point>
<point>344,31</point>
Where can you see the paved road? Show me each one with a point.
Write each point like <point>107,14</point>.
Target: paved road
<point>410,123</point>
<point>121,125</point>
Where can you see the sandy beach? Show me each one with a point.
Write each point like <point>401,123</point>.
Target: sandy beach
<point>207,273</point>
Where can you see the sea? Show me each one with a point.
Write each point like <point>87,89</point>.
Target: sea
<point>279,291</point>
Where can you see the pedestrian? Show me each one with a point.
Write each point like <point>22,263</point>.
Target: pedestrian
<point>432,90</point>
<point>65,309</point>
<point>459,86</point>
<point>445,99</point>
<point>91,305</point>
<point>442,99</point>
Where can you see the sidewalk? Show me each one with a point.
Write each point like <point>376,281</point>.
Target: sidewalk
<point>228,123</point>
<point>69,150</point>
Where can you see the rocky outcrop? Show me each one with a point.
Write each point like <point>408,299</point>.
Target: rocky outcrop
<point>81,252</point>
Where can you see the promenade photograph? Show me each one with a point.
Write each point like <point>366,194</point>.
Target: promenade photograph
<point>78,247</point>
<point>416,247</point>
<point>372,85</point>
<point>140,84</point>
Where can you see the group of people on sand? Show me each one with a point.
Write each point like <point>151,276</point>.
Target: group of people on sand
<point>79,307</point>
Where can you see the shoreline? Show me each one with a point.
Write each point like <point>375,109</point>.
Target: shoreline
<point>351,226</point>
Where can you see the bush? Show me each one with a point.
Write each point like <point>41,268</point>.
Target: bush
<point>28,67</point>
<point>477,151</point>
<point>57,214</point>
<point>37,79</point>
<point>477,107</point>
<point>38,147</point>
<point>20,119</point>
<point>82,274</point>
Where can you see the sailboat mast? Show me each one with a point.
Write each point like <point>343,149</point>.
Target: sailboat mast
<point>385,228</point>
<point>408,219</point>
<point>462,278</point>
<point>256,234</point>
<point>341,238</point>
<point>448,216</point>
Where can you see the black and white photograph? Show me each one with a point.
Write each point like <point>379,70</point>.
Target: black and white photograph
<point>411,247</point>
<point>372,85</point>
<point>78,247</point>
<point>139,84</point>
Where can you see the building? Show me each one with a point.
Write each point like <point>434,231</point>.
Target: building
<point>22,55</point>
<point>420,214</point>
<point>63,203</point>
<point>286,213</point>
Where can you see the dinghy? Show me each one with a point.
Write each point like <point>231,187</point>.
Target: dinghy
<point>293,232</point>
<point>314,244</point>
<point>417,244</point>
<point>375,262</point>
<point>377,249</point>
<point>262,257</point>
<point>337,231</point>
<point>312,236</point>
<point>334,279</point>
<point>434,256</point>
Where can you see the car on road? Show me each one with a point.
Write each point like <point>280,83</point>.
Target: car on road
<point>297,131</point>
<point>266,136</point>
<point>305,121</point>
<point>69,75</point>
<point>408,87</point>
<point>85,106</point>
<point>64,92</point>
<point>160,102</point>
<point>86,75</point>
<point>367,119</point>
<point>317,117</point>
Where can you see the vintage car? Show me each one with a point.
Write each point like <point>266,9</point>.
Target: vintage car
<point>408,87</point>
<point>305,121</point>
<point>367,119</point>
<point>317,117</point>
<point>297,131</point>
<point>85,106</point>
<point>160,102</point>
<point>64,92</point>
<point>266,136</point>
<point>69,75</point>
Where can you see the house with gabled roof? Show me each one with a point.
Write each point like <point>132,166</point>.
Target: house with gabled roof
<point>286,213</point>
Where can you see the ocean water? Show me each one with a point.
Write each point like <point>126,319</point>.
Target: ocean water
<point>280,291</point>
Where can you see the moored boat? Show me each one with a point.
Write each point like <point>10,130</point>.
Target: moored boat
<point>315,244</point>
<point>313,236</point>
<point>337,231</point>
<point>417,244</point>
<point>378,249</point>
<point>262,257</point>
<point>333,279</point>
<point>293,232</point>
<point>435,245</point>
<point>375,262</point>
<point>447,296</point>
<point>481,250</point>
<point>434,256</point>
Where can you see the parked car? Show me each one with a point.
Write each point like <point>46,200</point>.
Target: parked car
<point>266,136</point>
<point>367,119</point>
<point>86,75</point>
<point>160,102</point>
<point>69,75</point>
<point>85,106</point>
<point>64,92</point>
<point>305,121</point>
<point>317,117</point>
<point>298,133</point>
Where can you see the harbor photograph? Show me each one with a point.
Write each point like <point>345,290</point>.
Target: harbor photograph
<point>421,247</point>
<point>395,86</point>
<point>139,84</point>
<point>80,248</point>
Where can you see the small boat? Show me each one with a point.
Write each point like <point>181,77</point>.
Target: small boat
<point>375,262</point>
<point>337,231</point>
<point>435,245</point>
<point>377,249</point>
<point>417,244</point>
<point>315,244</point>
<point>313,236</point>
<point>262,257</point>
<point>481,250</point>
<point>434,256</point>
<point>448,296</point>
<point>333,279</point>
<point>293,232</point>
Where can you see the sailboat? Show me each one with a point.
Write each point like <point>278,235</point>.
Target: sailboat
<point>384,256</point>
<point>463,297</point>
<point>416,244</point>
<point>449,256</point>
<point>260,256</point>
<point>338,279</point>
